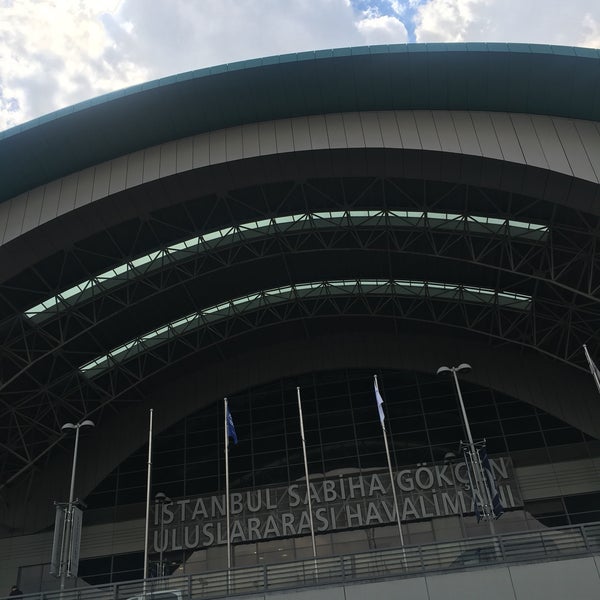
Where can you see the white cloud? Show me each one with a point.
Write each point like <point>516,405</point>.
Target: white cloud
<point>56,53</point>
<point>383,29</point>
<point>572,23</point>
<point>448,20</point>
<point>591,31</point>
<point>181,35</point>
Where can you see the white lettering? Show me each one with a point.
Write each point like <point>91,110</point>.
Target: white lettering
<point>405,482</point>
<point>253,525</point>
<point>287,523</point>
<point>357,514</point>
<point>424,478</point>
<point>376,485</point>
<point>235,503</point>
<point>293,494</point>
<point>199,510</point>
<point>329,494</point>
<point>409,509</point>
<point>373,515</point>
<point>207,531</point>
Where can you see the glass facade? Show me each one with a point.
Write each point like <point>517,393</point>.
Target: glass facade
<point>342,433</point>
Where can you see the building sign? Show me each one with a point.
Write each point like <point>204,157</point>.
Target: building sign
<point>345,501</point>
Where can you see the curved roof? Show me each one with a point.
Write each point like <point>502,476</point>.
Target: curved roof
<point>521,78</point>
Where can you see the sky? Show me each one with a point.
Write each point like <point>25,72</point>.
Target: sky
<point>55,53</point>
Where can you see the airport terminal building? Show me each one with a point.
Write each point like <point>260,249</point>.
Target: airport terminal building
<point>302,223</point>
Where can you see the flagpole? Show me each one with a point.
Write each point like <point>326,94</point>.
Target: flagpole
<point>593,367</point>
<point>389,462</point>
<point>149,478</point>
<point>226,431</point>
<point>310,513</point>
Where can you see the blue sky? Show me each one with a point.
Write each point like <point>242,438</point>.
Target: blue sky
<point>404,10</point>
<point>55,53</point>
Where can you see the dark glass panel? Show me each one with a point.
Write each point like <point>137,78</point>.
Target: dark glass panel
<point>524,441</point>
<point>556,437</point>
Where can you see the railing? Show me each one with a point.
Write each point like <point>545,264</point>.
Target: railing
<point>530,546</point>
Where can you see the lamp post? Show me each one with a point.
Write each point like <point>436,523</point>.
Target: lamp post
<point>475,459</point>
<point>160,498</point>
<point>454,370</point>
<point>66,550</point>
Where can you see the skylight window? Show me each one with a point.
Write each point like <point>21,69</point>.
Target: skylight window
<point>179,251</point>
<point>281,295</point>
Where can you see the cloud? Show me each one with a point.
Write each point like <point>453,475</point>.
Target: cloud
<point>383,29</point>
<point>572,23</point>
<point>379,22</point>
<point>448,20</point>
<point>591,31</point>
<point>53,54</point>
<point>181,35</point>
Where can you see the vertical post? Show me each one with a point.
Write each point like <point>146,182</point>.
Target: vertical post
<point>66,540</point>
<point>310,513</point>
<point>478,470</point>
<point>389,463</point>
<point>463,412</point>
<point>160,499</point>
<point>226,432</point>
<point>75,450</point>
<point>65,560</point>
<point>161,569</point>
<point>148,481</point>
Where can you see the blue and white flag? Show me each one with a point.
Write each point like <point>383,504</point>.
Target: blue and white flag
<point>490,482</point>
<point>379,402</point>
<point>230,427</point>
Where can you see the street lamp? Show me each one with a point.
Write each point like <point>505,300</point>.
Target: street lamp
<point>66,549</point>
<point>464,367</point>
<point>475,459</point>
<point>160,499</point>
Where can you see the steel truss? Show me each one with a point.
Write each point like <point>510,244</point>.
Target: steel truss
<point>41,382</point>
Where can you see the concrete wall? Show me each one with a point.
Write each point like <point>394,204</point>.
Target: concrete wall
<point>576,578</point>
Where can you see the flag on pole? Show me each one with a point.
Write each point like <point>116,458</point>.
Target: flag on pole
<point>230,427</point>
<point>593,368</point>
<point>389,462</point>
<point>379,402</point>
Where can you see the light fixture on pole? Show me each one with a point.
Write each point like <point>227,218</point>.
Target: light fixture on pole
<point>464,367</point>
<point>69,547</point>
<point>159,500</point>
<point>480,481</point>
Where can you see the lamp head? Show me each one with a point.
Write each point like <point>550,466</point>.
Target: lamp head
<point>161,497</point>
<point>86,423</point>
<point>464,367</point>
